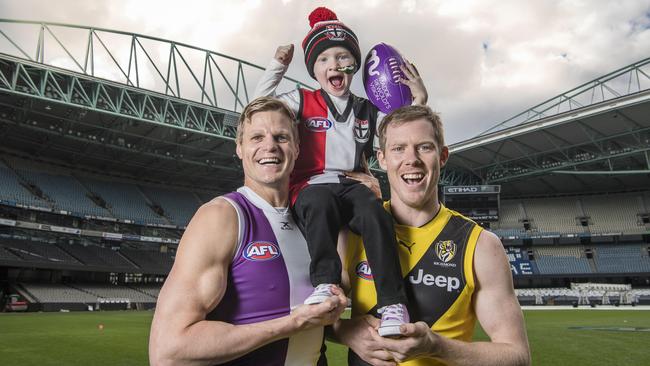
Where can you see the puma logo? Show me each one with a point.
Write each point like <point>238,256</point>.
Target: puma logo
<point>407,245</point>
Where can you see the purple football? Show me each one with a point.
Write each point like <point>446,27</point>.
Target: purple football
<point>381,74</point>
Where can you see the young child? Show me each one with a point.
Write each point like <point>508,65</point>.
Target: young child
<point>337,131</point>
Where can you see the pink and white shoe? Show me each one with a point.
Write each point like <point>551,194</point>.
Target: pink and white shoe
<point>321,293</point>
<point>392,316</point>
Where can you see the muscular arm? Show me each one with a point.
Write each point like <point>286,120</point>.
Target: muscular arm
<point>497,310</point>
<point>180,334</point>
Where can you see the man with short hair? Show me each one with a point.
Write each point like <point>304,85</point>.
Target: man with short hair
<point>454,271</point>
<point>234,295</point>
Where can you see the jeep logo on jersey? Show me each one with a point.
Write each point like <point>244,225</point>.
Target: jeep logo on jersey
<point>261,251</point>
<point>446,250</point>
<point>363,271</point>
<point>428,279</point>
<point>361,130</point>
<point>318,124</point>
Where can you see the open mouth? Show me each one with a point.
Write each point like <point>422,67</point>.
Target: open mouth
<point>412,178</point>
<point>336,81</point>
<point>269,161</point>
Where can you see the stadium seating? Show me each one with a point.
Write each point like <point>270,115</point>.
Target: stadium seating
<point>179,206</point>
<point>151,290</point>
<point>84,293</point>
<point>65,191</point>
<point>116,292</point>
<point>125,200</point>
<point>98,256</point>
<point>511,214</point>
<point>562,260</point>
<point>149,260</point>
<point>7,255</point>
<point>554,214</point>
<point>622,259</point>
<point>614,213</point>
<point>38,252</point>
<point>13,191</point>
<point>58,293</point>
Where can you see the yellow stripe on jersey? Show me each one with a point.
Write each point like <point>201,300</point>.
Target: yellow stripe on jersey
<point>459,319</point>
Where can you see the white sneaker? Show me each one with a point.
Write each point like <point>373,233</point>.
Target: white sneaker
<point>392,316</point>
<point>321,293</point>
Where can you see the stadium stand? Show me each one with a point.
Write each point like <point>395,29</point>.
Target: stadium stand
<point>148,260</point>
<point>58,293</point>
<point>124,200</point>
<point>151,290</point>
<point>614,213</point>
<point>116,292</point>
<point>84,296</point>
<point>622,259</point>
<point>13,191</point>
<point>65,192</point>
<point>38,252</point>
<point>99,257</point>
<point>562,260</point>
<point>554,214</point>
<point>179,206</point>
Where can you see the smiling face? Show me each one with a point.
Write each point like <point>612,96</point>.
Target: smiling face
<point>412,159</point>
<point>334,82</point>
<point>268,149</point>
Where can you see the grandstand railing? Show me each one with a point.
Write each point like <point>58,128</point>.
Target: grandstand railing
<point>625,81</point>
<point>167,67</point>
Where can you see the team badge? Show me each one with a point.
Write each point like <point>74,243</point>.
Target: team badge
<point>318,124</point>
<point>446,250</point>
<point>361,130</point>
<point>335,33</point>
<point>363,271</point>
<point>261,251</point>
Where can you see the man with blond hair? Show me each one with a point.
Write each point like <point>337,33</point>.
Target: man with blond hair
<point>234,295</point>
<point>455,273</point>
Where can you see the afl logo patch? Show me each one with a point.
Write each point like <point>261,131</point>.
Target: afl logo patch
<point>318,124</point>
<point>446,250</point>
<point>363,271</point>
<point>261,251</point>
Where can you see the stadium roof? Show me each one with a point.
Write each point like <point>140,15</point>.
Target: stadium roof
<point>594,138</point>
<point>122,104</point>
<point>145,108</point>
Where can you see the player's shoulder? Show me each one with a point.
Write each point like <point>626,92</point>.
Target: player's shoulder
<point>459,215</point>
<point>218,210</point>
<point>489,243</point>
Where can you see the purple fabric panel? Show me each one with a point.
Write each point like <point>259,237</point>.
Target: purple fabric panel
<point>258,283</point>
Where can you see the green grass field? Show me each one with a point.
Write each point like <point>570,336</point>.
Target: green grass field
<point>76,338</point>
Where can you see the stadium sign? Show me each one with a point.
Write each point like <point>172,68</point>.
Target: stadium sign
<point>471,189</point>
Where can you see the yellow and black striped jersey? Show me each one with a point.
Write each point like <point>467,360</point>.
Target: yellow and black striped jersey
<point>437,264</point>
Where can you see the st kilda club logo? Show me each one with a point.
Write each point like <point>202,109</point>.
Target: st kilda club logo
<point>261,251</point>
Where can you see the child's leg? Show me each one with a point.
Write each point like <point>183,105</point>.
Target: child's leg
<point>374,224</point>
<point>317,211</point>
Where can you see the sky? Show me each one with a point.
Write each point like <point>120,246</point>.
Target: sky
<point>482,61</point>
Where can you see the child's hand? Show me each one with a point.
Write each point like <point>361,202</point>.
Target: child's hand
<point>415,83</point>
<point>284,54</point>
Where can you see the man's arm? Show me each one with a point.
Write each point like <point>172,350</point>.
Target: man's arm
<point>180,334</point>
<point>497,310</point>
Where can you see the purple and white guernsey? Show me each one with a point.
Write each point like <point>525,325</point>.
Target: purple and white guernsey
<point>268,276</point>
